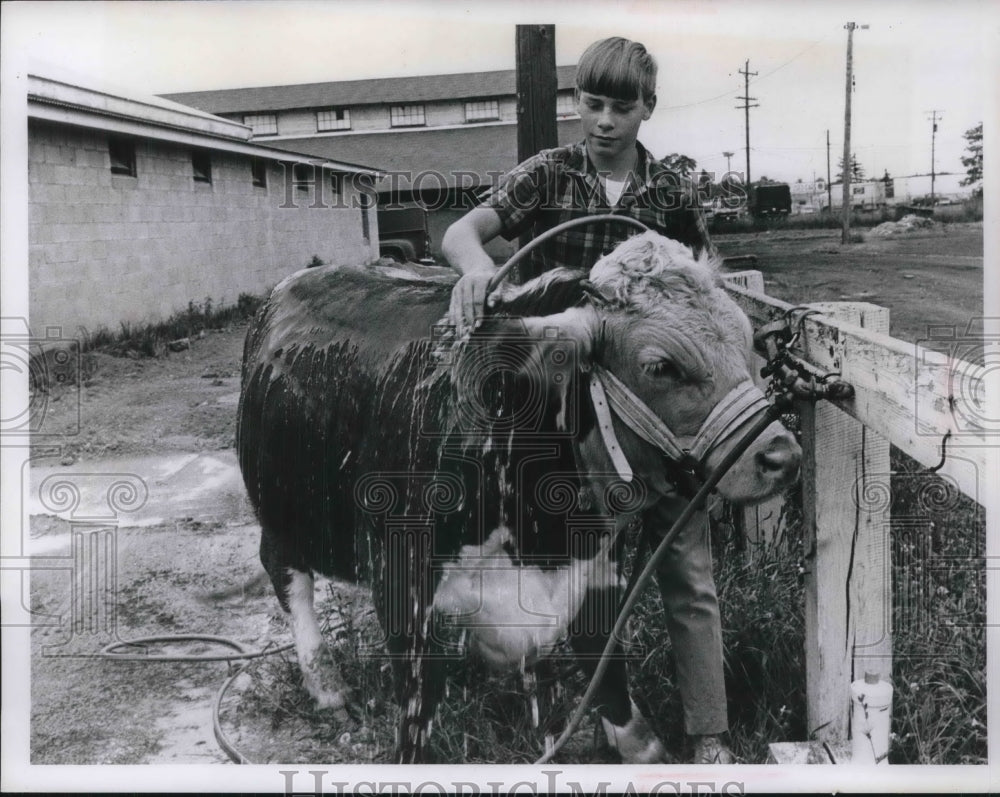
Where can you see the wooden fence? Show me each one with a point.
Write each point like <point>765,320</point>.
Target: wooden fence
<point>905,395</point>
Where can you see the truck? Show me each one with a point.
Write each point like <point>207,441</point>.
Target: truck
<point>770,199</point>
<point>403,234</point>
<point>866,195</point>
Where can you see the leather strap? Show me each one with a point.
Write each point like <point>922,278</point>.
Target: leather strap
<point>608,392</point>
<point>737,407</point>
<point>604,423</point>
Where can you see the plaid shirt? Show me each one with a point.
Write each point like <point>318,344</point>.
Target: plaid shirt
<point>560,184</point>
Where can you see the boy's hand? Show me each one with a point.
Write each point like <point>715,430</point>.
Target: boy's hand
<point>462,246</point>
<point>468,298</point>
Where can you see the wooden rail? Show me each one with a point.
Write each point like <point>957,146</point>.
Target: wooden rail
<point>905,395</point>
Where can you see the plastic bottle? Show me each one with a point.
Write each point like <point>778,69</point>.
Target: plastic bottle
<point>871,709</point>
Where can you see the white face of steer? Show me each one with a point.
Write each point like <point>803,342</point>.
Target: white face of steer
<point>676,339</point>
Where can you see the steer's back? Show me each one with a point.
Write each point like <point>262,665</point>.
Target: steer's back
<point>332,349</point>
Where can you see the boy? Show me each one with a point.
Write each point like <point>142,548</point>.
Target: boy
<point>609,169</point>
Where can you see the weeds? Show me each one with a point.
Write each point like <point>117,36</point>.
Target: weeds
<point>939,670</point>
<point>151,340</point>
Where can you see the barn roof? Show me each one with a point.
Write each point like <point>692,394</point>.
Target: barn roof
<point>440,155</point>
<point>371,91</point>
<point>68,102</point>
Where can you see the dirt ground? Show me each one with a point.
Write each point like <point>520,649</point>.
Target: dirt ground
<point>183,557</point>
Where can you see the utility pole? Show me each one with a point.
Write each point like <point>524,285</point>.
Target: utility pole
<point>727,156</point>
<point>934,121</point>
<point>829,190</point>
<point>535,76</point>
<point>536,89</point>
<point>845,234</point>
<point>746,106</point>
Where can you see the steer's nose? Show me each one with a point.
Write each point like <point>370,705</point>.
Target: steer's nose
<point>780,459</point>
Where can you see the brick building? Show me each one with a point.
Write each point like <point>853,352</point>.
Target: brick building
<point>438,138</point>
<point>462,127</point>
<point>139,206</point>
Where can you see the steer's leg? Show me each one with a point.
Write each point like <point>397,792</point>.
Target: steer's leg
<point>294,589</point>
<point>628,731</point>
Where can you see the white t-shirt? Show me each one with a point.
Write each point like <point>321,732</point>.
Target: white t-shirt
<point>613,189</point>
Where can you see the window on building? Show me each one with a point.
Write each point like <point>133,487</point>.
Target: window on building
<point>406,116</point>
<point>262,124</point>
<point>122,152</point>
<point>482,110</point>
<point>258,172</point>
<point>566,104</point>
<point>201,164</point>
<point>333,119</point>
<point>302,176</point>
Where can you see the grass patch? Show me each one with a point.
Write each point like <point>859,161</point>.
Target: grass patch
<point>153,339</point>
<point>937,543</point>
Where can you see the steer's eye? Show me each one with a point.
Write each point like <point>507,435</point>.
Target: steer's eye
<point>662,369</point>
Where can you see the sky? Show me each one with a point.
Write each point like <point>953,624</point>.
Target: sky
<point>914,58</point>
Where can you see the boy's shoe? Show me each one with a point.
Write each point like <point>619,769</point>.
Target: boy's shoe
<point>711,750</point>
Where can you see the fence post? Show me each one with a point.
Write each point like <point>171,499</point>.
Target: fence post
<point>759,523</point>
<point>845,470</point>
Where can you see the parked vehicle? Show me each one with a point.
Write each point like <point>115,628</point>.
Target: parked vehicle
<point>770,199</point>
<point>403,234</point>
<point>866,195</point>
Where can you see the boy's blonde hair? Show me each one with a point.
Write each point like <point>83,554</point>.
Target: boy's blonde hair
<point>617,68</point>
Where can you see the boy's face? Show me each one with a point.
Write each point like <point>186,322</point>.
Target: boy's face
<point>610,125</point>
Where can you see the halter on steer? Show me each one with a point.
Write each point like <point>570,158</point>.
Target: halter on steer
<point>608,393</point>
<point>738,406</point>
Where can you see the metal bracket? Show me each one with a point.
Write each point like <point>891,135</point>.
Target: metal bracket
<point>791,376</point>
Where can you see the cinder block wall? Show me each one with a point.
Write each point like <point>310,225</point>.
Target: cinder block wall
<point>107,248</point>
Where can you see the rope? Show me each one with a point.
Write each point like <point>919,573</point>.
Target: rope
<point>521,253</point>
<point>713,479</point>
<point>111,651</point>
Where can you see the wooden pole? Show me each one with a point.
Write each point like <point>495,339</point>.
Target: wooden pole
<point>747,74</point>
<point>536,89</point>
<point>537,84</point>
<point>846,174</point>
<point>829,190</point>
<point>845,483</point>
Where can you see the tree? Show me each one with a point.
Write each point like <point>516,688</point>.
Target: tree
<point>681,164</point>
<point>857,171</point>
<point>974,163</point>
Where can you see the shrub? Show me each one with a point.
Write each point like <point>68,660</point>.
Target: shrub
<point>150,340</point>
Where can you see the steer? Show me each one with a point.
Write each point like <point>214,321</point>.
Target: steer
<point>482,484</point>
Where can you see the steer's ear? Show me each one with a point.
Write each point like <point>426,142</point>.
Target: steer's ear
<point>520,370</point>
<point>577,327</point>
<point>552,292</point>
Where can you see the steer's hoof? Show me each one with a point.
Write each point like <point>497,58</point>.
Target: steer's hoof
<point>339,703</point>
<point>712,750</point>
<point>635,741</point>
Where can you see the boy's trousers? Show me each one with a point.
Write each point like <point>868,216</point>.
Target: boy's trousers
<point>692,615</point>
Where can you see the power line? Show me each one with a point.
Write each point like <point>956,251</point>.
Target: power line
<point>727,94</point>
<point>782,66</point>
